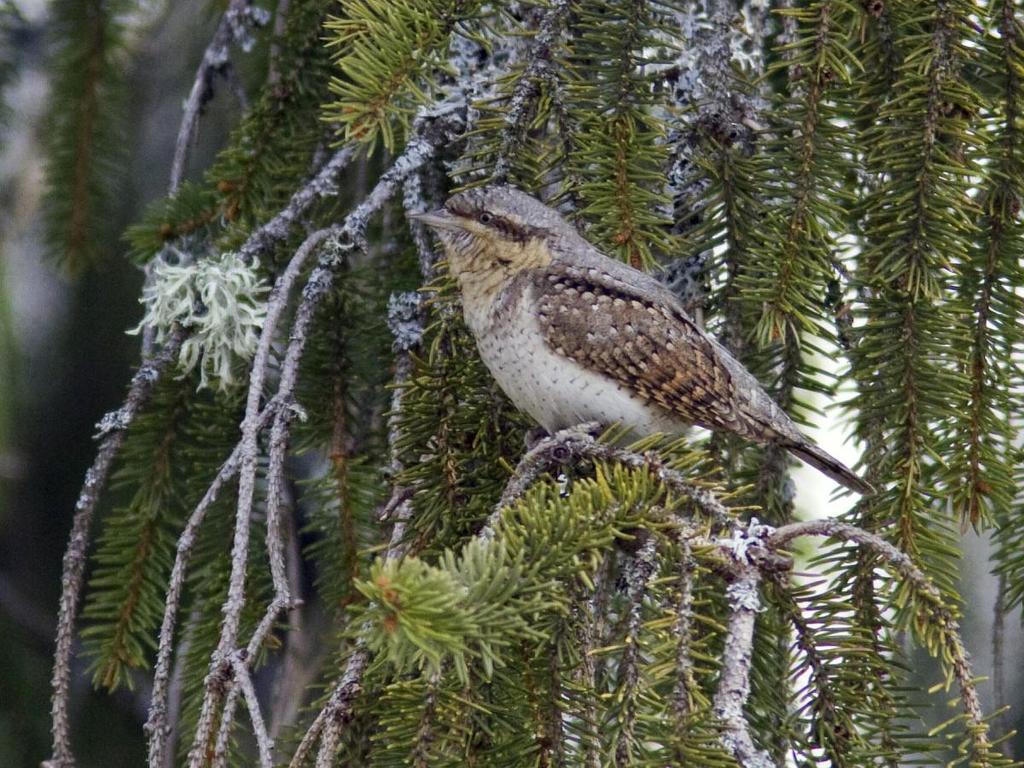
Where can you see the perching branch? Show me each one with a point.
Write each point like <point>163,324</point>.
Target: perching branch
<point>112,429</point>
<point>753,550</point>
<point>571,445</point>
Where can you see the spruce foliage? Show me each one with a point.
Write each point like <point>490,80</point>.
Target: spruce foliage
<point>85,138</point>
<point>833,190</point>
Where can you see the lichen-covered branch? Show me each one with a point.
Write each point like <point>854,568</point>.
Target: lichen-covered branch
<point>112,430</point>
<point>528,87</point>
<point>733,689</point>
<point>571,445</point>
<point>232,28</point>
<point>433,128</point>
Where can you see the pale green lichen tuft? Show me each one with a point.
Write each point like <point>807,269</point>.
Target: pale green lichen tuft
<point>221,302</point>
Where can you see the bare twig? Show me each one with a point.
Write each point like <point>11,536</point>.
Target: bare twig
<point>274,57</point>
<point>264,743</point>
<point>402,316</point>
<point>323,184</point>
<point>432,129</point>
<point>425,731</point>
<point>248,455</point>
<point>215,58</point>
<point>291,679</point>
<point>279,434</point>
<point>309,739</point>
<point>157,725</point>
<point>112,431</point>
<point>413,202</point>
<point>338,711</point>
<point>277,228</point>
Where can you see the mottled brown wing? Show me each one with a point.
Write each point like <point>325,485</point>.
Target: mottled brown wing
<point>655,350</point>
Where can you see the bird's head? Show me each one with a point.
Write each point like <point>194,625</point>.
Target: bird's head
<point>492,233</point>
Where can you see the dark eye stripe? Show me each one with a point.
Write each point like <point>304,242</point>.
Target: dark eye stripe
<point>472,210</point>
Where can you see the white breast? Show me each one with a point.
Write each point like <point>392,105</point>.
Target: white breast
<point>555,390</point>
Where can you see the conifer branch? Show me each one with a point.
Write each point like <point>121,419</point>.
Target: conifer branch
<point>570,445</point>
<point>527,89</point>
<point>112,428</point>
<point>433,128</point>
<point>640,569</point>
<point>937,615</point>
<point>733,689</point>
<point>999,662</point>
<point>215,59</point>
<point>85,142</point>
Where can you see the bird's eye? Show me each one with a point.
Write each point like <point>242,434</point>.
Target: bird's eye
<point>485,217</point>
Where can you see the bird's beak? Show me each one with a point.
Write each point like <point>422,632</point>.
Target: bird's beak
<point>439,219</point>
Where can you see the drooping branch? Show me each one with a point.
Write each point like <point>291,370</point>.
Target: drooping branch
<point>937,613</point>
<point>112,429</point>
<point>681,631</point>
<point>267,235</point>
<point>157,726</point>
<point>248,456</point>
<point>640,569</point>
<point>433,128</point>
<point>528,87</point>
<point>232,27</point>
<point>733,689</point>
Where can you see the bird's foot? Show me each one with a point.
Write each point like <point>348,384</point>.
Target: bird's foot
<point>592,428</point>
<point>536,435</point>
<point>533,436</point>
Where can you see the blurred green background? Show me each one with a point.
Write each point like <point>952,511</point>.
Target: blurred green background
<point>65,358</point>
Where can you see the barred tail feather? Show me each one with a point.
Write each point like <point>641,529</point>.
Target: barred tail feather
<point>830,466</point>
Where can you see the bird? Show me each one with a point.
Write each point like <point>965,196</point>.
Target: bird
<point>573,336</point>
